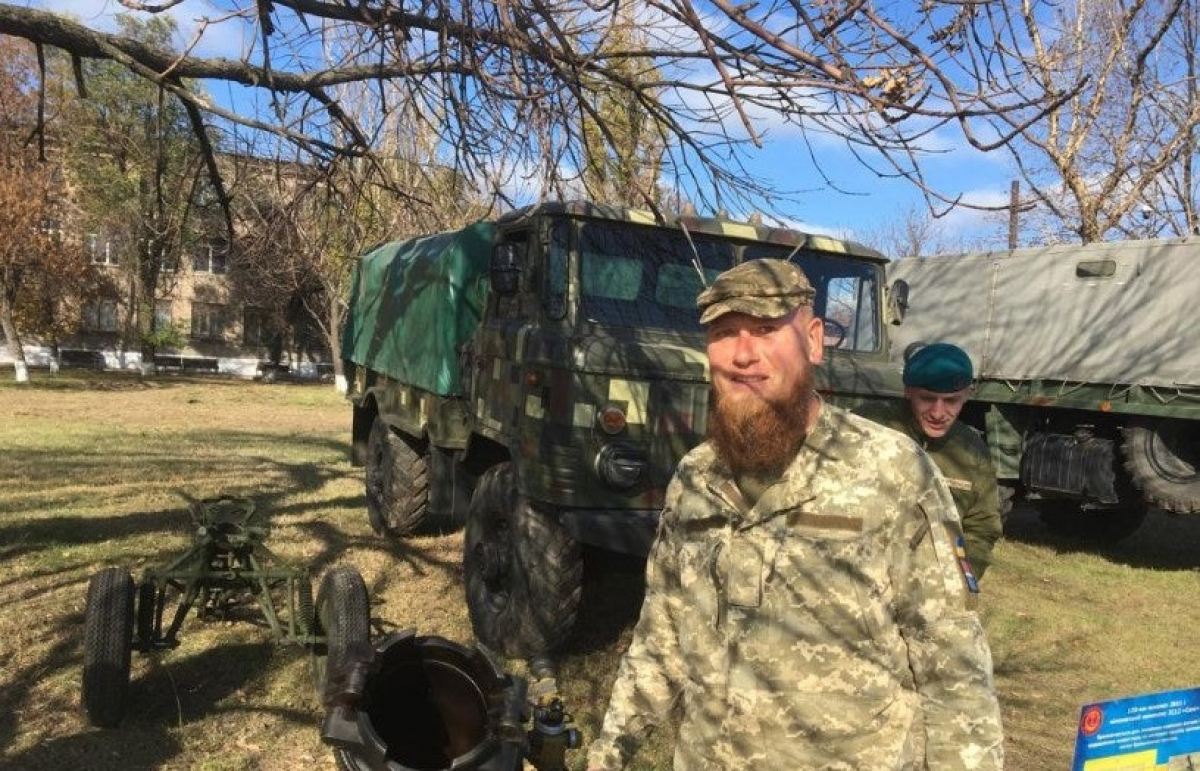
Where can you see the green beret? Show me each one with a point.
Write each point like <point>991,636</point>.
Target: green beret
<point>939,367</point>
<point>767,289</point>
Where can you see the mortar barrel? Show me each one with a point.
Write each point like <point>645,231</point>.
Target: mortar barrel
<point>431,704</point>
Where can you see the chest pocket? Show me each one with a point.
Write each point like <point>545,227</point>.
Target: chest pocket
<point>827,581</point>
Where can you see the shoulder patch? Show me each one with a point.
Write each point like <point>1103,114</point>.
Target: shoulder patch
<point>959,484</point>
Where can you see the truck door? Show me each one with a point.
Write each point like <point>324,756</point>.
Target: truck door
<point>511,311</point>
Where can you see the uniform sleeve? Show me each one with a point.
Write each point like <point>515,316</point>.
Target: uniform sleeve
<point>649,678</point>
<point>947,648</point>
<point>982,524</point>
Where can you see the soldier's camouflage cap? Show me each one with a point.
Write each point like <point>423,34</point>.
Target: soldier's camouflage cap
<point>766,289</point>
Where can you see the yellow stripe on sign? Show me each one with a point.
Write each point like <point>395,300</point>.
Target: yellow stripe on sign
<point>636,395</point>
<point>1146,760</point>
<point>533,407</point>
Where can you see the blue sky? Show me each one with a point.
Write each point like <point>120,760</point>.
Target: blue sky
<point>955,169</point>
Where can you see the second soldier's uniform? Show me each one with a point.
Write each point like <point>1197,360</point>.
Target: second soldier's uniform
<point>823,626</point>
<point>964,460</point>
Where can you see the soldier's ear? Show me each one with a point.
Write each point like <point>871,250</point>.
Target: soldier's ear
<point>813,329</point>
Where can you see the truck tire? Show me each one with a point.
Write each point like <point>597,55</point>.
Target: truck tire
<point>1008,495</point>
<point>397,482</point>
<point>523,570</point>
<point>1101,526</point>
<point>343,618</point>
<point>1164,462</point>
<point>107,646</point>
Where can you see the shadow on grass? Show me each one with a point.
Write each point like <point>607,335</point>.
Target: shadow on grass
<point>1163,542</point>
<point>613,586</point>
<point>168,695</point>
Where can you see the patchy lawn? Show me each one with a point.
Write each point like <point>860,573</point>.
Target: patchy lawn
<point>91,474</point>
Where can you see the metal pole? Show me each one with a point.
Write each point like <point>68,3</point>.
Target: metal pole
<point>1014,199</point>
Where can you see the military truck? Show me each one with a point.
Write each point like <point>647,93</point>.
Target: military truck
<point>538,377</point>
<point>1089,372</point>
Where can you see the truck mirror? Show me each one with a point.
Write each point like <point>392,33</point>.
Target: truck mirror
<point>506,269</point>
<point>897,300</point>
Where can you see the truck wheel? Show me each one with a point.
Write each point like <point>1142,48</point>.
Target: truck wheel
<point>343,618</point>
<point>107,645</point>
<point>1007,494</point>
<point>1164,462</point>
<point>397,482</point>
<point>523,570</point>
<point>1098,526</point>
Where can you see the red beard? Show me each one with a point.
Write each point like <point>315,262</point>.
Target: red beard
<point>760,436</point>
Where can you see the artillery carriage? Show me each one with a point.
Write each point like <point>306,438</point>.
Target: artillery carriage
<point>227,568</point>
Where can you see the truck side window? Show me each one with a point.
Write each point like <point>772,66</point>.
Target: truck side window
<point>554,289</point>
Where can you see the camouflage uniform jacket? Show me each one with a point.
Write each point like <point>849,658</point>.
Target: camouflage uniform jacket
<point>964,460</point>
<point>823,628</point>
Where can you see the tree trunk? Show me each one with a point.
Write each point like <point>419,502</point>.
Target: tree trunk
<point>335,343</point>
<point>15,350</point>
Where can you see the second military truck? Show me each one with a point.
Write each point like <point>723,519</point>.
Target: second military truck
<point>538,377</point>
<point>1088,371</point>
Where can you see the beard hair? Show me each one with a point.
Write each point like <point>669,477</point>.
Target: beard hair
<point>759,436</point>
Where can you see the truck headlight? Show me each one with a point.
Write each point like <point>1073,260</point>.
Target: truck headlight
<point>620,466</point>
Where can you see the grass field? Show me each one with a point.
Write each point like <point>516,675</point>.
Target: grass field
<point>91,470</point>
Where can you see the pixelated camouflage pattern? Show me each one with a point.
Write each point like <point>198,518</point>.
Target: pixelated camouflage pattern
<point>767,289</point>
<point>717,226</point>
<point>823,628</point>
<point>536,386</point>
<point>965,461</point>
<point>552,425</point>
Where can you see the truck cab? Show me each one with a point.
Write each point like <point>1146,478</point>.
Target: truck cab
<point>583,384</point>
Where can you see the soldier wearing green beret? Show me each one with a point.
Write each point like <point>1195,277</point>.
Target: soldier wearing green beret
<point>937,383</point>
<point>804,605</point>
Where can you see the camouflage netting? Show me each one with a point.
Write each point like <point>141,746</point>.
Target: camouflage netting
<point>414,303</point>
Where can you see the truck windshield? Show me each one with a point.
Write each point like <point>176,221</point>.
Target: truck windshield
<point>847,294</point>
<point>637,276</point>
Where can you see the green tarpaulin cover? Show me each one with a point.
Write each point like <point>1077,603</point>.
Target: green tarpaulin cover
<point>414,303</point>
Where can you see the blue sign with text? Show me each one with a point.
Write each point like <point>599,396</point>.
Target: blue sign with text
<point>1140,733</point>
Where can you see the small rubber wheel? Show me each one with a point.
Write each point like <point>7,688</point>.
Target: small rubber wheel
<point>107,646</point>
<point>343,619</point>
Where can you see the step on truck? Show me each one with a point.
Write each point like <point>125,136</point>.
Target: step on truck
<point>537,378</point>
<point>1088,372</point>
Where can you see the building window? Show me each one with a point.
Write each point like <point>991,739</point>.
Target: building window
<point>162,314</point>
<point>100,316</point>
<point>256,326</point>
<point>100,249</point>
<point>208,321</point>
<point>210,257</point>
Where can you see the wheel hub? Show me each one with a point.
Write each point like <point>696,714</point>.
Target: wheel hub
<point>494,564</point>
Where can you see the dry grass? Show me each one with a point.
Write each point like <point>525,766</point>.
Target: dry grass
<point>90,473</point>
